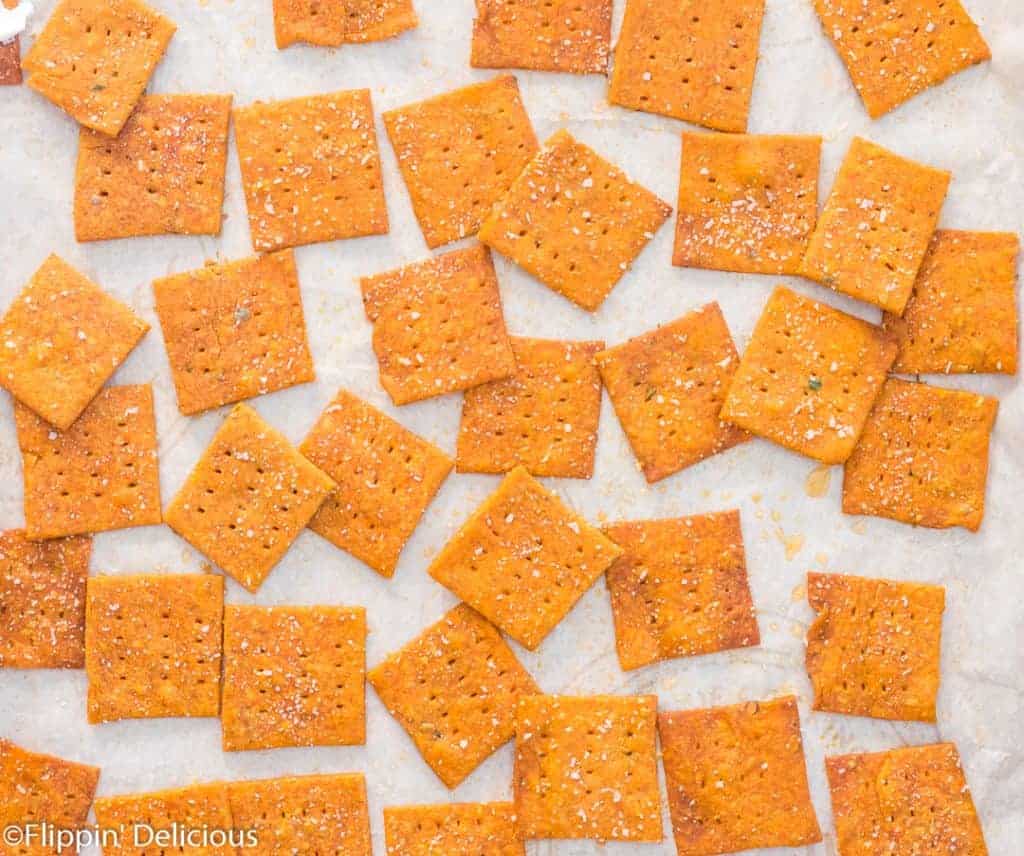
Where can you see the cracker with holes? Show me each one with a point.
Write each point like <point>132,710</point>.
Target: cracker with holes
<point>337,22</point>
<point>386,477</point>
<point>574,221</point>
<point>100,474</point>
<point>63,337</point>
<point>311,170</point>
<point>459,153</point>
<point>438,325</point>
<point>962,313</point>
<point>523,559</point>
<point>153,646</point>
<point>10,62</point>
<point>691,61</point>
<point>94,59</point>
<point>808,377</point>
<point>871,238</point>
<point>234,330</point>
<point>454,690</point>
<point>248,497</point>
<point>667,388</point>
<point>736,777</point>
<point>923,457</point>
<point>487,829</point>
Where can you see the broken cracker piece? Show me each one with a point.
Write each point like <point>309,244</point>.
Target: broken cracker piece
<point>10,62</point>
<point>332,23</point>
<point>481,829</point>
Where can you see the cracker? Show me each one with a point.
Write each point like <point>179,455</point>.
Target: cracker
<point>459,153</point>
<point>894,49</point>
<point>386,476</point>
<point>234,330</point>
<point>872,236</point>
<point>42,601</point>
<point>873,649</point>
<point>248,497</point>
<point>746,203</point>
<point>574,221</point>
<point>337,22</point>
<point>667,388</point>
<point>311,169</point>
<point>690,61</point>
<point>162,175</point>
<point>523,559</point>
<point>10,62</point>
<point>680,588</point>
<point>962,312</point>
<point>293,676</point>
<point>808,377</point>
<point>454,690</point>
<point>481,829</point>
<point>913,799</point>
<point>94,58</point>
<point>544,417</point>
<point>736,777</point>
<point>100,474</point>
<point>438,326</point>
<point>923,457</point>
<point>63,339</point>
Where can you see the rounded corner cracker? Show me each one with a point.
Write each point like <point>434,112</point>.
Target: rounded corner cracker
<point>488,829</point>
<point>338,22</point>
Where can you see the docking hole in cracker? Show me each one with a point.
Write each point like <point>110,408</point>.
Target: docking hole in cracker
<point>480,829</point>
<point>332,23</point>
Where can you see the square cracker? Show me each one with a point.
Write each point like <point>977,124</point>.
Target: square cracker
<point>454,690</point>
<point>692,61</point>
<point>736,777</point>
<point>585,767</point>
<point>680,588</point>
<point>100,474</point>
<point>523,559</point>
<point>808,377</point>
<point>667,388</point>
<point>873,649</point>
<point>746,203</point>
<point>64,338</point>
<point>94,59</point>
<point>293,676</point>
<point>234,330</point>
<point>481,829</point>
<point>962,312</point>
<point>247,498</point>
<point>544,417</point>
<point>337,22</point>
<point>894,49</point>
<point>42,601</point>
<point>162,175</point>
<point>386,476</point>
<point>872,236</point>
<point>311,169</point>
<point>10,62</point>
<point>923,457</point>
<point>574,221</point>
<point>438,325</point>
<point>459,153</point>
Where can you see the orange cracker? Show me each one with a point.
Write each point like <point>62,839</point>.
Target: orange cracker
<point>234,330</point>
<point>667,388</point>
<point>544,417</point>
<point>913,799</point>
<point>248,498</point>
<point>10,62</point>
<point>438,326</point>
<point>63,338</point>
<point>878,221</point>
<point>42,601</point>
<point>100,474</point>
<point>808,377</point>
<point>311,169</point>
<point>459,153</point>
<point>480,829</point>
<point>923,457</point>
<point>523,559</point>
<point>454,690</point>
<point>736,777</point>
<point>94,59</point>
<point>680,588</point>
<point>962,312</point>
<point>386,476</point>
<point>692,61</point>
<point>332,23</point>
<point>574,221</point>
<point>293,676</point>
